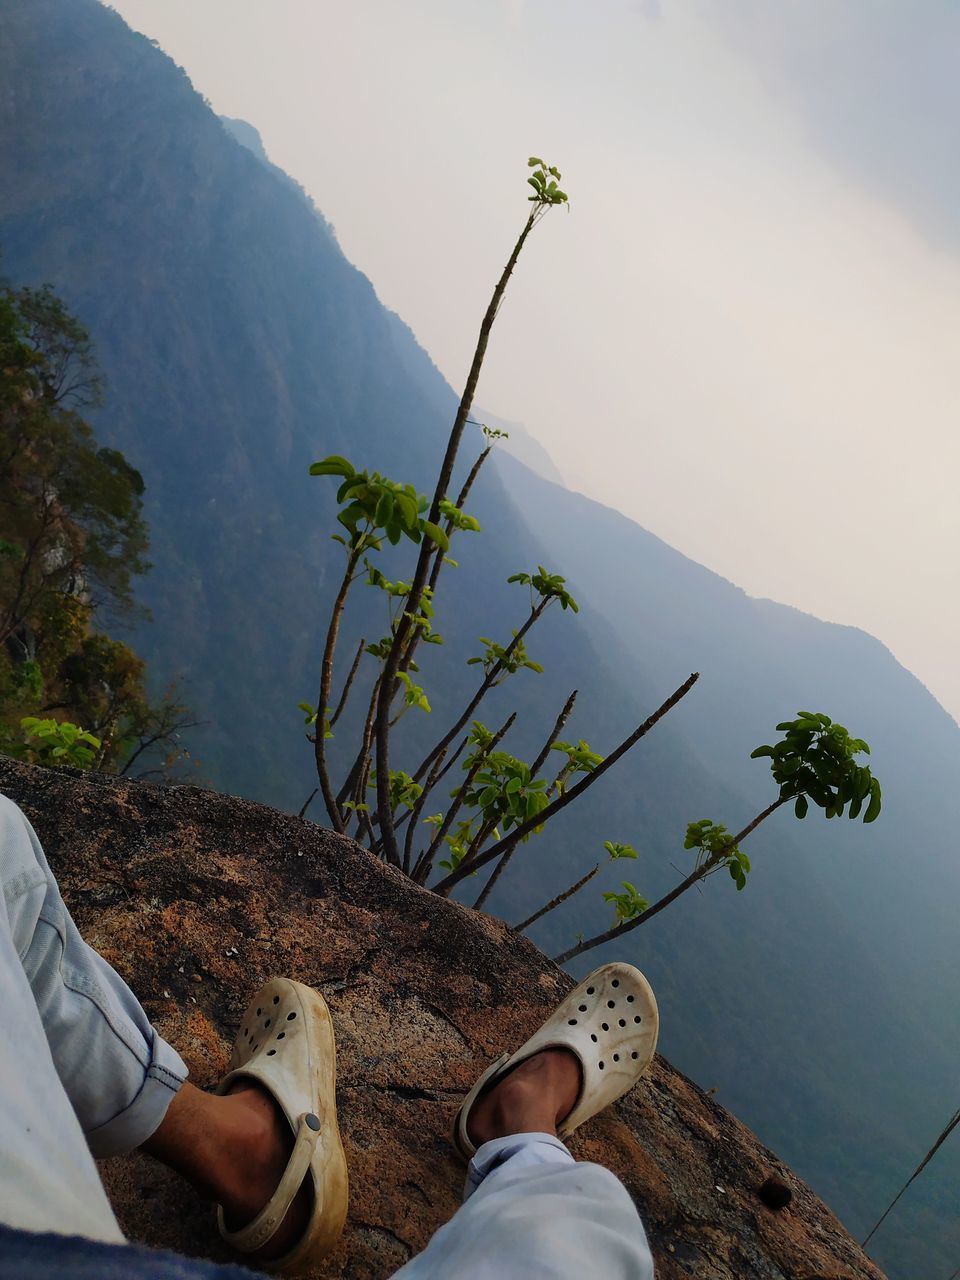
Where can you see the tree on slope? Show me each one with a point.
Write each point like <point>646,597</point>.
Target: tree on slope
<point>72,542</point>
<point>500,802</point>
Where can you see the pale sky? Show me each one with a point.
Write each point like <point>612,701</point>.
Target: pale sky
<point>744,334</point>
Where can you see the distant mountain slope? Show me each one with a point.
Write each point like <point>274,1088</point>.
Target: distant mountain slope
<point>239,346</point>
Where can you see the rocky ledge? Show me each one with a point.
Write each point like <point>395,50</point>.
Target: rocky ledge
<point>196,898</point>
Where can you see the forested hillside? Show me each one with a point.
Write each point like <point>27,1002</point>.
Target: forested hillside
<point>239,346</point>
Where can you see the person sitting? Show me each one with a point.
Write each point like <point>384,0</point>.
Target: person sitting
<point>86,1075</point>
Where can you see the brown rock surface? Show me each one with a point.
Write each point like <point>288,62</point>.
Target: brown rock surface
<point>196,898</point>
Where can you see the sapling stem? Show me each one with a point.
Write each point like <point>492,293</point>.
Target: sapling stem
<point>534,770</point>
<point>489,680</point>
<point>557,901</point>
<point>348,684</point>
<point>424,863</point>
<point>572,793</point>
<point>699,874</point>
<point>418,809</point>
<point>326,680</point>
<point>400,639</point>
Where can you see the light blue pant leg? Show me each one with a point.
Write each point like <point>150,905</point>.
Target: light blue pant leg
<point>531,1212</point>
<point>82,1069</point>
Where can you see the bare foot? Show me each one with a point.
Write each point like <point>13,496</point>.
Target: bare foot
<point>534,1098</point>
<point>234,1148</point>
<point>267,1141</point>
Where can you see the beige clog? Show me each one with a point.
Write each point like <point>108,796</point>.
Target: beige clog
<point>286,1045</point>
<point>610,1022</point>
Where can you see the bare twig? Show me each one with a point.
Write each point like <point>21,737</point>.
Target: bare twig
<point>711,863</point>
<point>323,701</point>
<point>424,864</point>
<point>557,901</point>
<point>951,1125</point>
<point>401,636</point>
<point>489,680</point>
<point>349,682</point>
<point>306,804</point>
<point>535,768</point>
<point>438,558</point>
<point>461,499</point>
<point>572,793</point>
<point>418,809</point>
<point>351,779</point>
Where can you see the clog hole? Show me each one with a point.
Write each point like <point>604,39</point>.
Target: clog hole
<point>271,1052</point>
<point>600,1065</point>
<point>582,1008</point>
<point>638,1018</point>
<point>616,1057</point>
<point>267,1023</point>
<point>634,1055</point>
<point>630,999</point>
<point>280,1035</point>
<point>259,1011</point>
<point>276,999</point>
<point>615,982</point>
<point>623,1022</point>
<point>605,1027</point>
<point>590,990</point>
<point>291,1016</point>
<point>593,1037</point>
<point>572,1022</point>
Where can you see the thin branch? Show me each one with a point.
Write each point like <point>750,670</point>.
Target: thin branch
<point>573,792</point>
<point>555,733</point>
<point>306,804</point>
<point>557,901</point>
<point>461,499</point>
<point>535,768</point>
<point>350,781</point>
<point>424,864</point>
<point>489,680</point>
<point>439,554</point>
<point>323,701</point>
<point>699,874</point>
<point>349,682</point>
<point>418,809</point>
<point>951,1125</point>
<point>162,734</point>
<point>401,638</point>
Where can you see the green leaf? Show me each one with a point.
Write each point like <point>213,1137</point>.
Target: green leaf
<point>801,807</point>
<point>384,511</point>
<point>408,509</point>
<point>332,466</point>
<point>873,808</point>
<point>437,535</point>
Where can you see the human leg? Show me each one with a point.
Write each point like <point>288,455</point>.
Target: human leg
<point>84,1071</point>
<point>118,1073</point>
<point>48,1180</point>
<point>529,1209</point>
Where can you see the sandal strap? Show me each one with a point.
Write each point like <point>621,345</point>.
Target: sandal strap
<point>264,1226</point>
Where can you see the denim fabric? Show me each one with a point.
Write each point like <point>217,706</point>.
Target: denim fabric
<point>82,1069</point>
<point>28,1256</point>
<point>531,1212</point>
